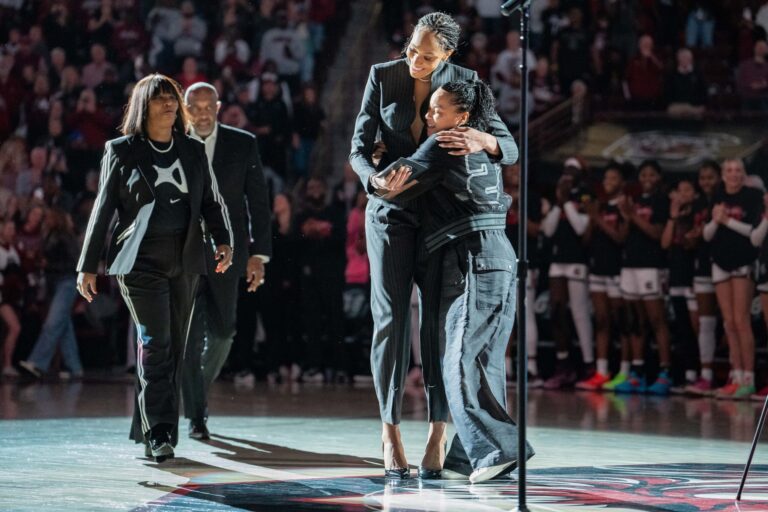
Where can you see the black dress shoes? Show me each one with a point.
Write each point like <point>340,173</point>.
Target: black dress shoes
<point>198,430</point>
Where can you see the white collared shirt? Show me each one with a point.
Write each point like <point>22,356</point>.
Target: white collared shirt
<point>210,147</point>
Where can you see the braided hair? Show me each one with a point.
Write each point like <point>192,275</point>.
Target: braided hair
<point>475,97</point>
<point>445,28</point>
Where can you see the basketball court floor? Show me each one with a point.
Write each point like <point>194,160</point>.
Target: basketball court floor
<point>64,446</point>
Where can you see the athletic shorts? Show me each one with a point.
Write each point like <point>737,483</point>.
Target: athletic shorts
<point>685,292</point>
<point>605,284</point>
<point>703,285</point>
<point>577,271</point>
<point>641,283</point>
<point>720,276</point>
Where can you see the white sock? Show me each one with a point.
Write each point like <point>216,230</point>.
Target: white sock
<point>737,376</point>
<point>602,366</point>
<point>748,379</point>
<point>690,375</point>
<point>533,367</point>
<point>578,300</point>
<point>562,356</point>
<point>707,340</point>
<point>626,366</point>
<point>707,374</point>
<point>638,362</point>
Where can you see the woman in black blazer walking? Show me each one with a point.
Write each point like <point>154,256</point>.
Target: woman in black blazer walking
<point>394,104</point>
<point>158,181</point>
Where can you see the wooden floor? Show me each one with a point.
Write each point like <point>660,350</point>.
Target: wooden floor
<point>64,447</point>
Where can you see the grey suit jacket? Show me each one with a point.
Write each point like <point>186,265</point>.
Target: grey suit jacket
<point>388,107</point>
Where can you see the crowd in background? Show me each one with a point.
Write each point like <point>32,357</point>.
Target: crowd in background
<point>67,67</point>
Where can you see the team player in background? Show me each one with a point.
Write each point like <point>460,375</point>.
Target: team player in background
<point>759,239</point>
<point>566,224</point>
<point>605,245</point>
<point>511,176</point>
<point>681,255</point>
<point>736,210</point>
<point>703,288</point>
<point>641,283</point>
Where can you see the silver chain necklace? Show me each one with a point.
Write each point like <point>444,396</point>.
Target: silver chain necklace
<point>160,150</point>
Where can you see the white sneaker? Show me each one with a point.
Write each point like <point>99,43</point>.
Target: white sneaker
<point>484,474</point>
<point>31,368</point>
<point>10,371</point>
<point>447,474</point>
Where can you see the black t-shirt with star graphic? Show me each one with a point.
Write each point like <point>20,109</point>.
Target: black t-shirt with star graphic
<point>640,250</point>
<point>171,213</point>
<point>730,250</point>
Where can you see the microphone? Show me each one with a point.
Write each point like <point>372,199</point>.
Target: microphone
<point>510,6</point>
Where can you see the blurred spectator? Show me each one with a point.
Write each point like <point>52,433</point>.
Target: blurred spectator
<point>273,126</point>
<point>761,18</point>
<point>190,73</point>
<point>283,332</point>
<point>89,124</point>
<point>11,280</point>
<point>192,29</point>
<point>58,61</point>
<point>60,253</point>
<point>554,20</point>
<point>322,260</point>
<point>59,27</point>
<point>231,51</point>
<point>93,72</point>
<point>11,88</point>
<point>700,26</point>
<point>571,51</point>
<point>269,68</point>
<point>37,109</point>
<point>544,88</point>
<point>752,79</point>
<point>320,13</point>
<point>30,239</point>
<point>509,101</point>
<point>31,178</point>
<point>686,91</point>
<point>70,88</point>
<point>129,38</point>
<point>163,23</point>
<point>509,60</point>
<point>478,58</point>
<point>309,117</point>
<point>345,193</point>
<point>644,76</point>
<point>286,47</point>
<point>101,23</point>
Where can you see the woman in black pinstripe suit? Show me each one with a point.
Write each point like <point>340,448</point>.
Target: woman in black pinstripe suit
<point>394,104</point>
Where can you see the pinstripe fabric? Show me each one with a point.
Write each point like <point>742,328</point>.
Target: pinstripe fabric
<point>393,237</point>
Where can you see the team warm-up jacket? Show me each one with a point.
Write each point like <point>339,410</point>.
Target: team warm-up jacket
<point>124,188</point>
<point>466,193</point>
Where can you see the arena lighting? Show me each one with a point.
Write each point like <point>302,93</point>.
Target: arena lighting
<point>507,8</point>
<point>510,6</point>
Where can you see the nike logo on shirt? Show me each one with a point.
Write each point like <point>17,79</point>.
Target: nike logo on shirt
<point>174,201</point>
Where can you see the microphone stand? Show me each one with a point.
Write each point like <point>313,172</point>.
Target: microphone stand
<point>522,268</point>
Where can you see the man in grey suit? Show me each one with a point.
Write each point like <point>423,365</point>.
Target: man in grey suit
<point>233,155</point>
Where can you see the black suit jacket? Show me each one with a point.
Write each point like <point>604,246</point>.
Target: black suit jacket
<point>388,107</point>
<point>125,190</point>
<point>237,166</point>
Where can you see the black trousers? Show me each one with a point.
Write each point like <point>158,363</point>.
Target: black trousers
<point>477,312</point>
<point>213,327</point>
<point>160,298</point>
<point>396,261</point>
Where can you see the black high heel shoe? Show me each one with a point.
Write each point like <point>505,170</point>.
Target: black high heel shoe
<point>433,474</point>
<point>394,473</point>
